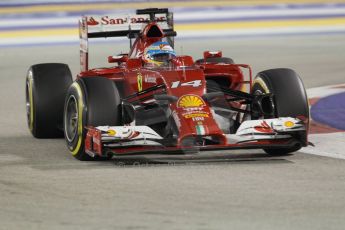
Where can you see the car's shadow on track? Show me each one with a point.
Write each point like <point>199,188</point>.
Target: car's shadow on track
<point>196,159</point>
<point>51,154</point>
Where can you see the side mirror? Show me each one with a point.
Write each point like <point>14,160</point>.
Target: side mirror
<point>185,60</point>
<point>211,54</point>
<point>118,59</point>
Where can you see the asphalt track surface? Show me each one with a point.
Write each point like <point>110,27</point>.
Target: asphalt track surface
<point>43,187</point>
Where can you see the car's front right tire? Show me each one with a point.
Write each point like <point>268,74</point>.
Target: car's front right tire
<point>290,100</point>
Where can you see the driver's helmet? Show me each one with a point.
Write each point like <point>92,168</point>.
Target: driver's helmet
<point>159,54</point>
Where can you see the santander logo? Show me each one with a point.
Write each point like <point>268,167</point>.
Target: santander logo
<point>105,20</point>
<point>92,22</point>
<point>108,20</point>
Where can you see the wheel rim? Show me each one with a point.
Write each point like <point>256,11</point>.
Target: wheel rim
<point>29,101</point>
<point>71,119</point>
<point>260,92</point>
<point>28,104</point>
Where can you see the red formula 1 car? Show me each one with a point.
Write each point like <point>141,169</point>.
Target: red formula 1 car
<point>153,100</point>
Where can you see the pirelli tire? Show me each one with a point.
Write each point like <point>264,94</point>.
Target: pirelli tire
<point>91,101</point>
<point>290,98</point>
<point>46,87</point>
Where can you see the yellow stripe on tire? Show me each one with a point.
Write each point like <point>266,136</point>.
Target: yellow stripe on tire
<point>80,118</point>
<point>263,85</point>
<point>31,100</point>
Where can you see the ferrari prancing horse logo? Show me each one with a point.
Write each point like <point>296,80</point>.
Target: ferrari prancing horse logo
<point>140,81</point>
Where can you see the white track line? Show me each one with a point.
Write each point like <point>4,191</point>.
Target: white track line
<point>326,144</point>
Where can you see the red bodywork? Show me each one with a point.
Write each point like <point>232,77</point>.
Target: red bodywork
<point>184,77</point>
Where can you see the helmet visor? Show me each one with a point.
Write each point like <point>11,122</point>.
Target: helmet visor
<point>163,57</point>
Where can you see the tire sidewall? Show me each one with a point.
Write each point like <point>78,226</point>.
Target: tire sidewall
<point>76,145</point>
<point>29,90</point>
<point>290,101</point>
<point>46,87</point>
<point>95,108</point>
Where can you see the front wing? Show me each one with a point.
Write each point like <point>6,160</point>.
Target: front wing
<point>265,133</point>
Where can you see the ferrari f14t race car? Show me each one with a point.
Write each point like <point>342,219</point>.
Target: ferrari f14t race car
<point>153,100</point>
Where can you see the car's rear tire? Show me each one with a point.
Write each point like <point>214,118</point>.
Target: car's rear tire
<point>290,98</point>
<point>46,87</point>
<point>91,101</point>
<point>225,60</point>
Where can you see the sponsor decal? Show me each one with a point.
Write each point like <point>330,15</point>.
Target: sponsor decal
<point>194,114</point>
<point>264,128</point>
<point>140,81</point>
<point>149,79</point>
<point>129,133</point>
<point>111,132</point>
<point>195,83</point>
<point>142,19</point>
<point>198,118</point>
<point>108,20</point>
<point>200,130</point>
<point>190,101</point>
<point>289,124</point>
<point>92,22</point>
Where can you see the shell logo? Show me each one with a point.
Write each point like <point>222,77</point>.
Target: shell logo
<point>289,124</point>
<point>190,101</point>
<point>111,132</point>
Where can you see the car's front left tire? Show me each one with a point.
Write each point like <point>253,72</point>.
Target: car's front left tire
<point>91,101</point>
